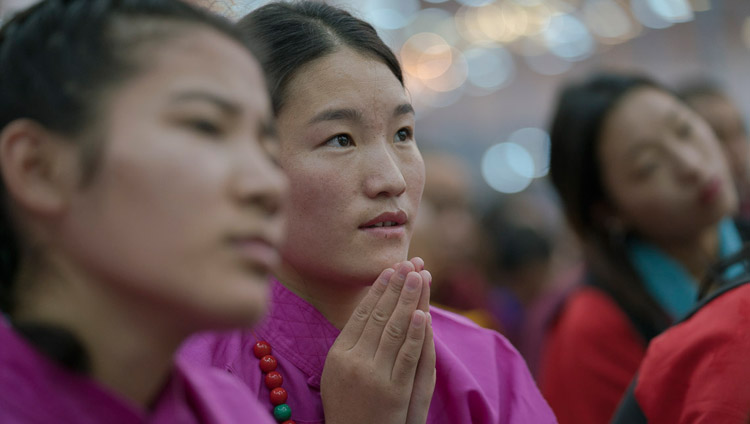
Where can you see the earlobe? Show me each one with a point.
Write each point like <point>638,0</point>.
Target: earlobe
<point>36,167</point>
<point>608,219</point>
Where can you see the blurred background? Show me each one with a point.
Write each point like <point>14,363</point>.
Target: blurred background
<point>483,73</point>
<point>483,76</point>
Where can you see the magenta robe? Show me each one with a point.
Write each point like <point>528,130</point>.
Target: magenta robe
<point>481,378</point>
<point>34,389</point>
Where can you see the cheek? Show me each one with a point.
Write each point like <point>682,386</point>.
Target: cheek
<point>645,204</point>
<point>317,196</point>
<point>414,175</point>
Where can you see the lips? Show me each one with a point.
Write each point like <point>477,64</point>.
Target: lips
<point>710,191</point>
<point>257,250</point>
<point>386,219</point>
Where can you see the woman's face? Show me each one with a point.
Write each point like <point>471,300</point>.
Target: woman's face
<point>663,168</point>
<point>355,172</point>
<point>182,212</point>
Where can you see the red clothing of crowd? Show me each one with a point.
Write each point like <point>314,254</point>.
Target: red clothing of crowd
<point>698,371</point>
<point>591,355</point>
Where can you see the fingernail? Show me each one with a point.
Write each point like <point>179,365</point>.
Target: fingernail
<point>429,317</point>
<point>412,282</point>
<point>418,319</point>
<point>386,276</point>
<point>420,261</point>
<point>404,270</point>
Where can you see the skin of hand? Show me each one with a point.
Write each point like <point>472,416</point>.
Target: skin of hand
<point>381,369</point>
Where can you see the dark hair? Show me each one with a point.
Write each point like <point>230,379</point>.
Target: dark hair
<point>57,61</point>
<point>696,88</point>
<point>294,34</point>
<point>582,109</point>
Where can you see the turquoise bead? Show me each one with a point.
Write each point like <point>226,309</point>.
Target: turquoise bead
<point>282,412</point>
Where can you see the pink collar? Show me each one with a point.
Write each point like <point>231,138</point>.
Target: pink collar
<point>298,332</point>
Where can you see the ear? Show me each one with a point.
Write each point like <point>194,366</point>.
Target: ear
<point>605,216</point>
<point>38,167</point>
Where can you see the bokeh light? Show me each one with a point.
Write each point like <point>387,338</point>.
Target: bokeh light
<point>390,14</point>
<point>537,144</point>
<point>567,37</point>
<point>507,167</point>
<point>608,21</point>
<point>491,67</point>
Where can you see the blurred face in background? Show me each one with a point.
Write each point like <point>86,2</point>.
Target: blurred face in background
<point>356,174</point>
<point>662,167</point>
<point>728,124</point>
<point>447,232</point>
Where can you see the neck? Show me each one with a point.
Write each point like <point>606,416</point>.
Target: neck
<point>335,301</point>
<point>695,253</point>
<point>129,352</point>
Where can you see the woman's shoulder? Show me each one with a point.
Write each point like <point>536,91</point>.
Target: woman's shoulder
<point>217,396</point>
<point>457,331</point>
<point>590,312</point>
<point>216,349</point>
<point>480,376</point>
<point>701,361</point>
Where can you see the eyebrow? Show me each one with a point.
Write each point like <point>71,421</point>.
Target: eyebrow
<point>337,115</point>
<point>348,114</point>
<point>223,104</point>
<point>403,109</point>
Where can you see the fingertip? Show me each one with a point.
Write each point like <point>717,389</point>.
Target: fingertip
<point>418,263</point>
<point>418,319</point>
<point>404,268</point>
<point>385,277</point>
<point>426,277</point>
<point>413,281</point>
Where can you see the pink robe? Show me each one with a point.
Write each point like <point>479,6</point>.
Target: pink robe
<point>481,378</point>
<point>34,389</point>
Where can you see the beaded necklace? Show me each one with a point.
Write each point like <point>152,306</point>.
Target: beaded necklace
<point>273,379</point>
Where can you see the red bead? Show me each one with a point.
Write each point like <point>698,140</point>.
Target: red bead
<point>274,379</point>
<point>261,349</point>
<point>278,396</point>
<point>289,422</point>
<point>268,363</point>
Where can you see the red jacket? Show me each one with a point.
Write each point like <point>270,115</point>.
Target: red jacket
<point>699,370</point>
<point>590,357</point>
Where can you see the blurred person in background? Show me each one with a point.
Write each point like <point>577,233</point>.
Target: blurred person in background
<point>447,237</point>
<point>532,266</point>
<point>645,185</point>
<point>730,127</point>
<point>697,370</point>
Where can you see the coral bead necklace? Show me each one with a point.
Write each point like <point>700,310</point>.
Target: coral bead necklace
<point>273,379</point>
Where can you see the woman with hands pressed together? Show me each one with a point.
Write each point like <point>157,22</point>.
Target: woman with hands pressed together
<point>350,335</point>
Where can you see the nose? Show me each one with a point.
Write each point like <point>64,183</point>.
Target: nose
<point>258,182</point>
<point>383,173</point>
<point>690,162</point>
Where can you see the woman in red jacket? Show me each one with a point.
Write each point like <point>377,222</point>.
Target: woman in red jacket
<point>646,187</point>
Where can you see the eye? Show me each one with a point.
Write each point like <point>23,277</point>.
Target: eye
<point>205,127</point>
<point>645,170</point>
<point>340,140</point>
<point>402,135</point>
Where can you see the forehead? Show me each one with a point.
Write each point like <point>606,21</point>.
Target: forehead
<point>202,59</point>
<point>640,115</point>
<point>344,78</point>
